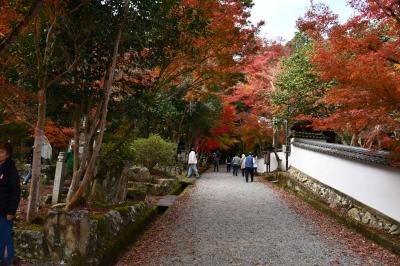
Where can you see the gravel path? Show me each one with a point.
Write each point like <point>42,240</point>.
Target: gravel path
<point>226,221</point>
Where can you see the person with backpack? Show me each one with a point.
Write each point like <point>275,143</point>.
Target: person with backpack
<point>249,167</point>
<point>10,195</point>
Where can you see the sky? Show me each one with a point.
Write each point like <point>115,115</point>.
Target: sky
<point>281,15</point>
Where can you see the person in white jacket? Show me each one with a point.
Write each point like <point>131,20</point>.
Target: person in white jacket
<point>255,162</point>
<point>243,164</point>
<point>192,162</point>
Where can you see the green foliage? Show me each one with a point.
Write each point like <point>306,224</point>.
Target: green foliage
<point>299,88</point>
<point>114,148</point>
<point>152,151</point>
<point>16,132</point>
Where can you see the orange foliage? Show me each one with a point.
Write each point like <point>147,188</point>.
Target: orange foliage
<point>9,15</point>
<point>252,97</point>
<point>362,59</point>
<point>58,136</point>
<point>221,136</point>
<point>203,60</point>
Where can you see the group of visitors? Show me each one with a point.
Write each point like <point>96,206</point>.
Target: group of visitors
<point>248,165</point>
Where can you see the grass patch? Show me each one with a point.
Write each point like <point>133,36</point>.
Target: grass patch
<point>30,227</point>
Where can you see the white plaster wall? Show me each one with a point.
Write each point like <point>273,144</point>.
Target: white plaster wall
<point>375,186</point>
<point>262,168</point>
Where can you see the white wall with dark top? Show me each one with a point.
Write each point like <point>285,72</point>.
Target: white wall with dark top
<point>262,167</point>
<point>356,173</point>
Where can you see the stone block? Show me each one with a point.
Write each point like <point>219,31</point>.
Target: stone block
<point>355,214</point>
<point>31,244</point>
<point>113,223</point>
<point>67,234</point>
<point>138,174</point>
<point>387,226</point>
<point>72,237</point>
<point>139,186</point>
<point>369,219</point>
<point>394,230</point>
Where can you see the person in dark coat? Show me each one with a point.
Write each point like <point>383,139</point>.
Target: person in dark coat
<point>10,193</point>
<point>216,158</point>
<point>228,162</point>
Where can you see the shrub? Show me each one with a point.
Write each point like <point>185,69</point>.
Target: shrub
<point>152,151</point>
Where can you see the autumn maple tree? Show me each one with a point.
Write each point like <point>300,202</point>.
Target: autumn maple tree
<point>251,96</point>
<point>361,58</point>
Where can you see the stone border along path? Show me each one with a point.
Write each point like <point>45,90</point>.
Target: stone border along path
<point>225,221</point>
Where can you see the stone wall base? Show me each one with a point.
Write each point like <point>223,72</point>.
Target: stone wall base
<point>337,200</point>
<point>369,222</point>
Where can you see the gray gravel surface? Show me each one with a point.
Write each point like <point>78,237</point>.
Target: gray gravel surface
<point>227,221</point>
<point>223,220</point>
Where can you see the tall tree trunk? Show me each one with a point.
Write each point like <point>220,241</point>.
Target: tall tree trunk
<point>354,140</point>
<point>33,201</point>
<point>342,139</point>
<point>89,131</point>
<point>75,174</point>
<point>122,185</point>
<point>108,86</point>
<point>32,208</point>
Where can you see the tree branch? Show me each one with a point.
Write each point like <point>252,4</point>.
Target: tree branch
<point>12,37</point>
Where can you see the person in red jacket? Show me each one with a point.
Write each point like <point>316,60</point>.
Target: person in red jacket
<point>10,193</point>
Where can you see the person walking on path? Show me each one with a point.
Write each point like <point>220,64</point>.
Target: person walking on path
<point>216,157</point>
<point>236,165</point>
<point>10,194</point>
<point>228,162</point>
<point>192,162</point>
<point>243,164</point>
<point>255,163</point>
<point>249,167</point>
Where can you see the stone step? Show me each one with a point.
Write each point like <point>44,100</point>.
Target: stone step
<point>190,180</point>
<point>167,201</point>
